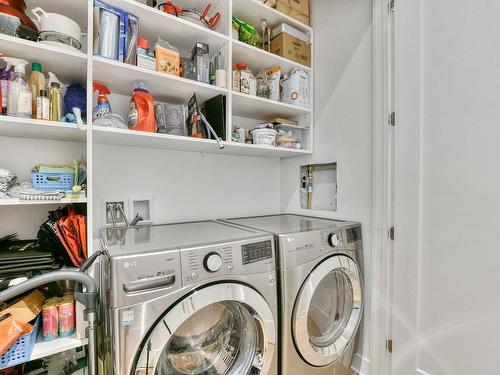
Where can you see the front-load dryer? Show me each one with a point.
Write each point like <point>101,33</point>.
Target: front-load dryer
<point>320,289</point>
<point>189,298</point>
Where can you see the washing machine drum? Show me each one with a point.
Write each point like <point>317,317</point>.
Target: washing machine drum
<point>215,332</point>
<point>328,311</point>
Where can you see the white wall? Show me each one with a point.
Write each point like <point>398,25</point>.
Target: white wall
<point>343,125</point>
<point>447,259</point>
<point>186,186</point>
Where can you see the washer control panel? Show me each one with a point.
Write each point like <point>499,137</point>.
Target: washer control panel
<point>255,252</point>
<point>235,258</point>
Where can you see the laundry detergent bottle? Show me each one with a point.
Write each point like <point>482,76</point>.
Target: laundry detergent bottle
<point>141,114</point>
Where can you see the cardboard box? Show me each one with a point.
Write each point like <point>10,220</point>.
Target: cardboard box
<point>297,9</point>
<point>27,308</point>
<point>289,47</point>
<point>167,61</point>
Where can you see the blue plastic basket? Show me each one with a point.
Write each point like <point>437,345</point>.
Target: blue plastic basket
<point>20,352</point>
<point>52,181</point>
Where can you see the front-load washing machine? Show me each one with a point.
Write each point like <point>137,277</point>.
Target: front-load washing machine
<point>320,289</point>
<point>189,298</point>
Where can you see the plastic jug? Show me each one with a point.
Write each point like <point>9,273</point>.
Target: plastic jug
<point>141,115</point>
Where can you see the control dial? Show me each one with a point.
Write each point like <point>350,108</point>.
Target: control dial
<point>333,240</point>
<point>212,262</point>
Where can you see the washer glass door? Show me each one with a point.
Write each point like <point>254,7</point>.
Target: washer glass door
<point>224,329</point>
<point>328,311</point>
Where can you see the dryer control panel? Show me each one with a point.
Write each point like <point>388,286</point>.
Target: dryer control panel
<point>234,258</point>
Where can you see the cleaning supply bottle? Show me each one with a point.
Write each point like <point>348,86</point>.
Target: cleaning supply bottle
<point>141,115</point>
<point>19,92</point>
<point>55,102</point>
<point>103,107</point>
<point>5,73</point>
<point>37,83</point>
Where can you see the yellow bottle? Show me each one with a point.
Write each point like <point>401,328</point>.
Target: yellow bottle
<point>37,83</point>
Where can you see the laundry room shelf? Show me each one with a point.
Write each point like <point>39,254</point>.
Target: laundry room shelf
<point>40,129</point>
<point>258,59</point>
<point>124,137</point>
<point>121,79</point>
<point>69,65</point>
<point>44,349</point>
<point>22,202</point>
<point>251,106</point>
<point>181,32</point>
<point>252,11</point>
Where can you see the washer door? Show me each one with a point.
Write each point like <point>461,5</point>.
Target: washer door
<point>224,329</point>
<point>328,311</point>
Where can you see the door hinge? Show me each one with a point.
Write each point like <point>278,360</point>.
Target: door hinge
<point>391,233</point>
<point>388,345</point>
<point>391,6</point>
<point>392,119</point>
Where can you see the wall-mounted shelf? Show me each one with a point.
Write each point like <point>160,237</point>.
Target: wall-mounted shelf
<point>129,138</point>
<point>40,129</point>
<point>68,64</point>
<point>259,59</point>
<point>22,202</point>
<point>254,10</point>
<point>179,31</point>
<point>121,79</point>
<point>43,349</point>
<point>245,105</point>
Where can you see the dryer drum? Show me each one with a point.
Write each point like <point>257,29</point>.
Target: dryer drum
<point>216,340</point>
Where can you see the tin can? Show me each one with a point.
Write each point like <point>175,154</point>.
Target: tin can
<point>66,317</point>
<point>50,319</point>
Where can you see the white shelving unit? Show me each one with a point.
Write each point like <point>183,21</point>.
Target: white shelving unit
<point>83,67</point>
<point>44,349</point>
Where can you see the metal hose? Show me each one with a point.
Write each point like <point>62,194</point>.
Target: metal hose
<point>36,281</point>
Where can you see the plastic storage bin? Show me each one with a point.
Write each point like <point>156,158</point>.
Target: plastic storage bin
<point>52,181</point>
<point>21,351</point>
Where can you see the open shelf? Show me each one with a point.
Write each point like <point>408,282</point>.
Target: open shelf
<point>22,202</point>
<point>40,129</point>
<point>258,108</point>
<point>124,137</point>
<point>258,59</point>
<point>44,349</point>
<point>253,11</point>
<point>121,79</point>
<point>182,33</point>
<point>69,65</point>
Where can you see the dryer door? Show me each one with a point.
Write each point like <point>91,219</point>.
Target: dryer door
<point>328,311</point>
<point>222,329</point>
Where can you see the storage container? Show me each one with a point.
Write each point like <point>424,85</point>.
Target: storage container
<point>21,351</point>
<point>264,137</point>
<point>52,181</point>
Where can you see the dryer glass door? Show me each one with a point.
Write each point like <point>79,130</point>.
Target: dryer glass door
<point>225,329</point>
<point>328,311</point>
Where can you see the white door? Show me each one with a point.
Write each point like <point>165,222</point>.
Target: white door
<point>328,311</point>
<point>446,252</point>
<point>223,329</point>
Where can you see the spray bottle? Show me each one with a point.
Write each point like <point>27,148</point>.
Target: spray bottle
<point>141,115</point>
<point>19,92</point>
<point>103,107</point>
<point>5,74</point>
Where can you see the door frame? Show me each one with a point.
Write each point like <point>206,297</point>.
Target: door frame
<point>383,187</point>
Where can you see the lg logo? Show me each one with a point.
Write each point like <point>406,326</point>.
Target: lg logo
<point>130,264</point>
